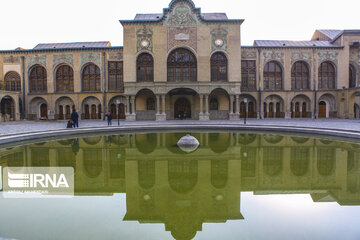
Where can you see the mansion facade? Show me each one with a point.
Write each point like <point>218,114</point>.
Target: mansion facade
<point>184,64</point>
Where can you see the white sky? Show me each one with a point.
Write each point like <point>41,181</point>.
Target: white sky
<point>25,23</point>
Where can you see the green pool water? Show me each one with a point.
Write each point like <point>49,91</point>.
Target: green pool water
<point>233,186</point>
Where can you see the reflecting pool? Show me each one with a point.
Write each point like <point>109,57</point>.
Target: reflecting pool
<point>233,186</point>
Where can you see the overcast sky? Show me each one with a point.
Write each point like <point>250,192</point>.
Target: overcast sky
<point>25,23</point>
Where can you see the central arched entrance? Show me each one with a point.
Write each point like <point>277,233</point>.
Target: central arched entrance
<point>182,109</point>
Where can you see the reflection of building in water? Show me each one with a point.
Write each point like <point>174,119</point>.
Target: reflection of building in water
<point>165,185</point>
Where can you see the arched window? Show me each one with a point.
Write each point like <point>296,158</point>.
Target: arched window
<point>115,70</point>
<point>218,67</point>
<point>150,103</point>
<point>64,79</point>
<point>38,79</point>
<point>300,76</point>
<point>352,77</point>
<point>145,68</point>
<point>181,66</point>
<point>272,76</point>
<point>214,104</point>
<point>327,76</point>
<point>91,78</point>
<point>12,82</point>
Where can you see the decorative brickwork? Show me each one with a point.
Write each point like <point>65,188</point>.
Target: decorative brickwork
<point>248,54</point>
<point>219,39</point>
<point>300,56</point>
<point>64,58</point>
<point>115,56</point>
<point>181,15</point>
<point>273,55</point>
<point>328,56</point>
<point>36,59</point>
<point>182,36</point>
<point>144,39</point>
<point>90,57</point>
<point>11,59</point>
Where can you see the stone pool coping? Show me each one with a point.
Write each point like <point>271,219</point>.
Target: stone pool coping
<point>339,133</point>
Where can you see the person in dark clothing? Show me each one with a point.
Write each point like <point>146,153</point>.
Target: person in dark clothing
<point>75,118</point>
<point>69,124</point>
<point>109,118</point>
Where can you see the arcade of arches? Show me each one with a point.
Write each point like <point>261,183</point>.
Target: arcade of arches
<point>184,67</point>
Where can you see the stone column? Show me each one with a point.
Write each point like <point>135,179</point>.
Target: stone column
<point>130,116</point>
<point>64,111</point>
<point>201,105</point>
<point>274,108</point>
<point>161,116</point>
<point>267,110</point>
<point>293,110</point>
<point>232,115</point>
<point>237,104</point>
<point>157,104</point>
<point>300,109</point>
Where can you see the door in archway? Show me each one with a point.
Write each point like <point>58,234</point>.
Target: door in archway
<point>182,109</point>
<point>242,110</point>
<point>113,110</point>
<point>43,111</point>
<point>99,111</point>
<point>8,108</point>
<point>278,111</point>
<point>271,110</point>
<point>251,109</point>
<point>322,109</point>
<point>61,112</point>
<point>304,113</point>
<point>121,111</point>
<point>297,110</point>
<point>68,112</point>
<point>93,112</point>
<point>87,111</point>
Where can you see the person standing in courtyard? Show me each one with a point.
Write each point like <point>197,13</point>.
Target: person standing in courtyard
<point>75,118</point>
<point>109,118</point>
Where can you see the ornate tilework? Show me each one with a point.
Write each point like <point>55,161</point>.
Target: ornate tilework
<point>182,36</point>
<point>90,57</point>
<point>63,58</point>
<point>299,56</point>
<point>144,35</point>
<point>246,54</point>
<point>115,56</point>
<point>273,55</point>
<point>181,15</point>
<point>328,56</point>
<point>36,59</point>
<point>219,39</point>
<point>12,59</point>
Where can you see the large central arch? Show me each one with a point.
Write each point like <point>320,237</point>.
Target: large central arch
<point>183,103</point>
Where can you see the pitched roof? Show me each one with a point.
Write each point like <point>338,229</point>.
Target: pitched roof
<point>214,16</point>
<point>147,17</point>
<point>285,43</point>
<point>72,45</point>
<point>330,33</point>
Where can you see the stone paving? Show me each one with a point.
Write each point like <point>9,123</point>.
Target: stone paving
<point>9,128</point>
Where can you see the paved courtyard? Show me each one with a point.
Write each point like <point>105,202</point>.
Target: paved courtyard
<point>38,126</point>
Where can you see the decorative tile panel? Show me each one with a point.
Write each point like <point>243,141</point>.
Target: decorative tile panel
<point>144,39</point>
<point>90,57</point>
<point>328,56</point>
<point>300,56</point>
<point>181,15</point>
<point>246,54</point>
<point>219,39</point>
<point>63,58</point>
<point>36,59</point>
<point>11,59</point>
<point>115,56</point>
<point>182,36</point>
<point>273,55</point>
